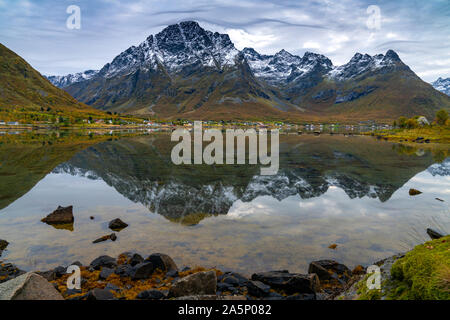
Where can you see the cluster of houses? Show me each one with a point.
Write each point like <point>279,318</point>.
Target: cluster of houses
<point>9,123</point>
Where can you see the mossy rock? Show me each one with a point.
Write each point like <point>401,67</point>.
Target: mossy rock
<point>423,274</point>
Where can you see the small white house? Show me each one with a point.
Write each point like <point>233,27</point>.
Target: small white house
<point>423,121</point>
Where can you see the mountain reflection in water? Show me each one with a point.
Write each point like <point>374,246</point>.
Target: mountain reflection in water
<point>329,189</point>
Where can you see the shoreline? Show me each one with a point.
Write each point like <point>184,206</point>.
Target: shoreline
<point>131,276</point>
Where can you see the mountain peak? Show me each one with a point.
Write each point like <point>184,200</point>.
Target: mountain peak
<point>391,54</point>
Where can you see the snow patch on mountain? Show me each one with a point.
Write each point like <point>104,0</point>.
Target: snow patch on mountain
<point>67,80</point>
<point>442,85</point>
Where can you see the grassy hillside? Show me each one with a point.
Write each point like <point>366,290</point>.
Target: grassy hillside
<point>26,95</point>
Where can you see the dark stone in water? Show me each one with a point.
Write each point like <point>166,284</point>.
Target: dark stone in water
<point>62,215</point>
<point>111,237</point>
<point>117,225</point>
<point>434,234</point>
<point>3,245</point>
<point>414,192</point>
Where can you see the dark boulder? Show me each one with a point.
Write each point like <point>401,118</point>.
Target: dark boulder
<point>135,259</point>
<point>8,271</point>
<point>414,192</point>
<point>3,245</point>
<point>200,283</point>
<point>105,273</point>
<point>143,270</point>
<point>162,262</point>
<point>325,269</point>
<point>434,234</point>
<point>172,274</point>
<point>100,294</point>
<point>103,261</point>
<point>151,295</point>
<point>124,270</point>
<point>289,282</point>
<point>258,289</point>
<point>117,225</point>
<point>62,215</point>
<point>302,296</point>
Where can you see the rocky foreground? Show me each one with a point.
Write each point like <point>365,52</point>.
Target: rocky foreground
<point>157,277</point>
<point>421,274</point>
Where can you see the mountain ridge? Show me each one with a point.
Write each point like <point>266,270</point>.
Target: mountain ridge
<point>186,71</point>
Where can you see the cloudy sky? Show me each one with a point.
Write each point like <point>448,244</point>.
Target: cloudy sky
<point>418,30</point>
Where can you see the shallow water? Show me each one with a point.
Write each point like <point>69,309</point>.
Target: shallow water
<point>352,191</point>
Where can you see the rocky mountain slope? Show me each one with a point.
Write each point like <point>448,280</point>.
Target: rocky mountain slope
<point>186,71</point>
<point>443,85</point>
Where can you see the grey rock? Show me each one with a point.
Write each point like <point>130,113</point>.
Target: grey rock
<point>258,289</point>
<point>103,261</point>
<point>200,283</point>
<point>162,261</point>
<point>291,283</point>
<point>151,295</point>
<point>29,286</point>
<point>135,259</point>
<point>105,273</point>
<point>117,225</point>
<point>143,270</point>
<point>100,294</point>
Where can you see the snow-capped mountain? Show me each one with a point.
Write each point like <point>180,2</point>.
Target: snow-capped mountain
<point>442,85</point>
<point>67,80</point>
<point>361,64</point>
<point>187,71</point>
<point>285,67</point>
<point>175,47</point>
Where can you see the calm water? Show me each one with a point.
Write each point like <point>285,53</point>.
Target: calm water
<point>352,191</point>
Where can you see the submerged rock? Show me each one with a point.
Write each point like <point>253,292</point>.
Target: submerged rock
<point>61,216</point>
<point>111,237</point>
<point>414,192</point>
<point>29,286</point>
<point>200,283</point>
<point>3,245</point>
<point>117,225</point>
